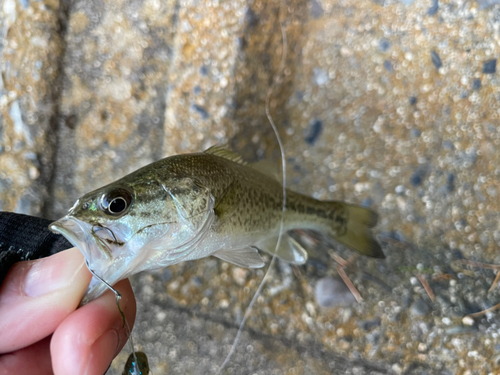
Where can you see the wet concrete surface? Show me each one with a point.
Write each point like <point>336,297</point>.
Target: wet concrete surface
<point>390,104</point>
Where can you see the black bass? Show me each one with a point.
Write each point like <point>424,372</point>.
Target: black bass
<point>187,207</point>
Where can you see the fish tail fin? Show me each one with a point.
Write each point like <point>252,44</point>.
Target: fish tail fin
<point>358,234</point>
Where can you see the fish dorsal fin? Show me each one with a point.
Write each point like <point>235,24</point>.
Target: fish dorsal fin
<point>224,152</point>
<point>268,168</point>
<point>289,250</point>
<point>247,257</point>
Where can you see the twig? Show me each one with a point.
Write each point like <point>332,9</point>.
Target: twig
<point>493,267</point>
<point>303,233</point>
<point>479,264</point>
<point>342,263</point>
<point>481,313</point>
<point>339,259</point>
<point>495,282</point>
<point>349,284</point>
<point>426,287</point>
<point>397,243</point>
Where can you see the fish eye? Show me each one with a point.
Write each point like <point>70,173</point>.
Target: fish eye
<point>116,201</point>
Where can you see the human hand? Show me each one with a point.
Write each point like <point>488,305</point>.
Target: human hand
<point>41,332</point>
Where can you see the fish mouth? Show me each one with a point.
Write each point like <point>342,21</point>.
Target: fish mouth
<point>98,256</point>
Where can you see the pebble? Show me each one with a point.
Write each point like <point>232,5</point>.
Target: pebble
<point>240,275</point>
<point>320,76</point>
<point>419,308</point>
<point>202,111</point>
<point>166,275</point>
<point>476,84</point>
<point>368,325</point>
<point>433,8</point>
<point>316,9</point>
<point>388,66</point>
<point>384,45</point>
<point>436,60</point>
<point>315,129</point>
<point>468,321</point>
<point>490,66</point>
<point>332,292</point>
<point>417,177</point>
<point>450,182</point>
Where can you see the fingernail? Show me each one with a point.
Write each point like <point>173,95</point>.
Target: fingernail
<point>53,273</point>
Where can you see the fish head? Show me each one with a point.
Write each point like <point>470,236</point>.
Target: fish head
<point>134,225</point>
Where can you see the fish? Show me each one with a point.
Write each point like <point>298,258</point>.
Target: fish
<point>192,206</point>
<point>139,367</point>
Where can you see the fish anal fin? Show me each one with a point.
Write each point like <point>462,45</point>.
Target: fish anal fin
<point>224,152</point>
<point>247,257</point>
<point>361,239</point>
<point>289,250</point>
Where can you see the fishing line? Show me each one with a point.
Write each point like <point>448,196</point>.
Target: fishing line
<point>118,297</point>
<point>283,181</point>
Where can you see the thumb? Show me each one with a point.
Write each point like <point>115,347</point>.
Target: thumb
<point>36,296</point>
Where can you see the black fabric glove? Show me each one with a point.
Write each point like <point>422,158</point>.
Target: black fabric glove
<point>25,237</point>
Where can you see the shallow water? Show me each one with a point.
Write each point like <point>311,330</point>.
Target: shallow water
<point>384,103</point>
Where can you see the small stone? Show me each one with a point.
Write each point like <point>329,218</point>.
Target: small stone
<point>332,292</point>
<point>203,70</point>
<point>419,308</point>
<point>316,9</point>
<point>397,368</point>
<point>384,45</point>
<point>476,84</point>
<point>320,77</point>
<point>315,130</point>
<point>450,182</point>
<point>202,111</point>
<point>367,202</point>
<point>166,275</point>
<point>413,100</point>
<point>373,337</point>
<point>400,189</point>
<point>433,8</point>
<point>240,275</point>
<point>448,145</point>
<point>368,325</point>
<point>490,66</point>
<point>484,4</point>
<point>436,60</point>
<point>388,66</point>
<point>417,177</point>
<point>468,321</point>
<point>33,172</point>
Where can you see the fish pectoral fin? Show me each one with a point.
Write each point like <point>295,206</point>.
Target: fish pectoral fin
<point>247,257</point>
<point>289,249</point>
